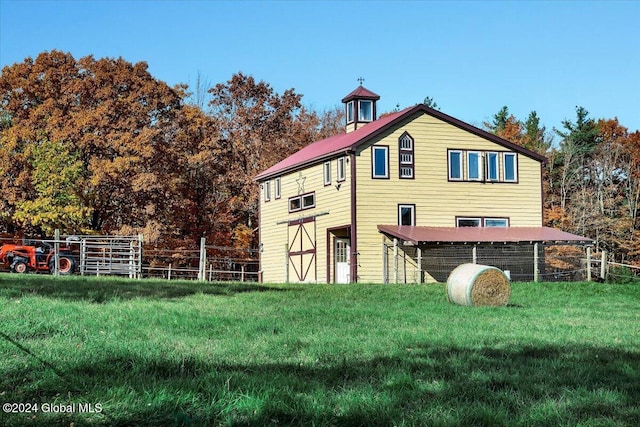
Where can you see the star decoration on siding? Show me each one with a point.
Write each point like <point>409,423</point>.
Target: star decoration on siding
<point>300,180</point>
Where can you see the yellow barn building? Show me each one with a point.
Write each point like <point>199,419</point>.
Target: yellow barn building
<point>403,187</point>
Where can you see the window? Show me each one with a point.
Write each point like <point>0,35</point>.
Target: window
<point>496,222</point>
<point>327,173</point>
<point>455,165</point>
<point>492,166</point>
<point>468,222</point>
<point>406,214</point>
<point>350,112</point>
<point>365,113</point>
<point>481,222</point>
<point>302,202</point>
<point>342,173</point>
<point>277,188</point>
<point>267,191</point>
<point>380,161</point>
<point>405,145</point>
<point>510,167</point>
<point>309,201</point>
<point>482,166</point>
<point>474,172</point>
<point>294,204</point>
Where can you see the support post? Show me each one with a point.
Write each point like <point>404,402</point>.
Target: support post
<point>475,254</point>
<point>83,254</point>
<point>385,262</point>
<point>603,265</point>
<point>56,253</point>
<point>419,249</point>
<point>139,260</point>
<point>536,262</point>
<point>588,263</point>
<point>202,265</point>
<point>395,261</point>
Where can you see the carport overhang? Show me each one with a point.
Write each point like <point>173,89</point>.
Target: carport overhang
<point>421,235</point>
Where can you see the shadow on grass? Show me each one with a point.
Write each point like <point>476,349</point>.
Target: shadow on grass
<point>105,289</point>
<point>420,385</point>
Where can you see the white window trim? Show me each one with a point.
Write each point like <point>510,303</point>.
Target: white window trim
<point>408,169</point>
<point>406,137</point>
<point>468,219</point>
<point>326,170</point>
<point>515,166</point>
<point>479,154</point>
<point>460,169</point>
<point>497,166</point>
<point>341,169</point>
<point>277,190</point>
<point>413,214</point>
<point>267,190</point>
<point>373,162</point>
<point>350,111</point>
<point>360,104</point>
<point>506,222</point>
<point>301,198</point>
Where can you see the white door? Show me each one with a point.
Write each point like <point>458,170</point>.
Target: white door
<point>342,250</point>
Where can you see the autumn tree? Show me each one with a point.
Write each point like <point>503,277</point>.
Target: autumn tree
<point>506,125</point>
<point>257,127</point>
<point>112,117</point>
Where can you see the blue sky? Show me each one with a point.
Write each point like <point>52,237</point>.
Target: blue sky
<point>472,57</point>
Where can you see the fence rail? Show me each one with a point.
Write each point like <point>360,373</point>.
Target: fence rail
<point>126,255</point>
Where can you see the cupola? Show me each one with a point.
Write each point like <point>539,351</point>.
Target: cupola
<point>360,107</point>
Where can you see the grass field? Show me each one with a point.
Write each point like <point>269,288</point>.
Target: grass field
<point>188,353</point>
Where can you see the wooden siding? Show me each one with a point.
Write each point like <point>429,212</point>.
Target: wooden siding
<point>438,201</point>
<point>332,206</point>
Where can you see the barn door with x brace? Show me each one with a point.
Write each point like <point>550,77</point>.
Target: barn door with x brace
<point>301,239</point>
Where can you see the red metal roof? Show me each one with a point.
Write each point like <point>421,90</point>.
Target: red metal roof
<point>361,92</point>
<point>326,148</point>
<point>418,235</point>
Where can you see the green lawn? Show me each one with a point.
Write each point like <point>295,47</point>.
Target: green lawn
<point>189,353</point>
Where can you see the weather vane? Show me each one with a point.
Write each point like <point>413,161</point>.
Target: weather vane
<point>361,80</point>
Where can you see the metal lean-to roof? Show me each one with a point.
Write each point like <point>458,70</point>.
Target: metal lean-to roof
<point>420,235</point>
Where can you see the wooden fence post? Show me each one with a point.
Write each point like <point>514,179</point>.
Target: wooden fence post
<point>395,260</point>
<point>588,263</point>
<point>202,264</point>
<point>536,262</point>
<point>56,253</point>
<point>603,265</point>
<point>419,264</point>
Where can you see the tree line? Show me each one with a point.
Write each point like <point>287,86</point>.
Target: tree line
<point>591,178</point>
<point>101,146</point>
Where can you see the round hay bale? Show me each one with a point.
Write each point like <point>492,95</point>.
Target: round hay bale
<point>478,285</point>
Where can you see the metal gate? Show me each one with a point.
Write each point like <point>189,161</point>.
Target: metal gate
<point>111,255</point>
<point>301,249</point>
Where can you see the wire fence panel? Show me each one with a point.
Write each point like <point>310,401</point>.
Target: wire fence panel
<point>179,263</point>
<point>520,261</point>
<point>227,263</point>
<point>111,255</point>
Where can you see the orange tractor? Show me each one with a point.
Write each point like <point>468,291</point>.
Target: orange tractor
<point>39,258</point>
